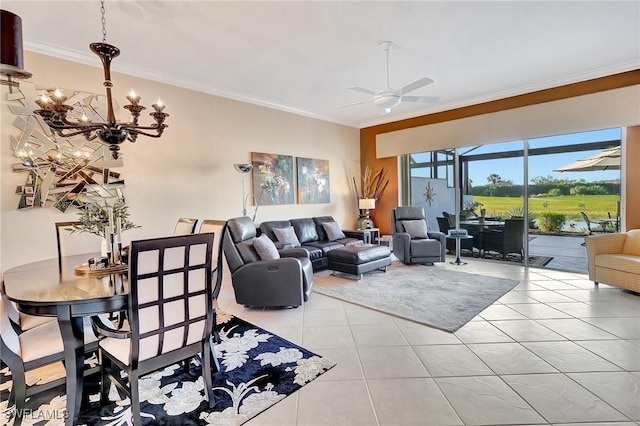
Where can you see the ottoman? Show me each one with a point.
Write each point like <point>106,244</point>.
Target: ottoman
<point>358,260</point>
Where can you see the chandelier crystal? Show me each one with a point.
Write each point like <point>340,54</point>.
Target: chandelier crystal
<point>112,133</point>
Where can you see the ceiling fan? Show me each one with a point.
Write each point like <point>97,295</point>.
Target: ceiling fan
<point>387,98</point>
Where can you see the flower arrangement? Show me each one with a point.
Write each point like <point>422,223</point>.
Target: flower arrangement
<point>95,219</point>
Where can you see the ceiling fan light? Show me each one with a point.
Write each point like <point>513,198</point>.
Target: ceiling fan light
<point>388,101</point>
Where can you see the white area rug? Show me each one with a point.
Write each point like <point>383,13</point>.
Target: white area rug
<point>430,295</point>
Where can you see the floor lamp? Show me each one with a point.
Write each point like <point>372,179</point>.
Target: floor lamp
<point>243,169</point>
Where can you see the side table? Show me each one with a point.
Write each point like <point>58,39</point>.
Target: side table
<point>386,240</point>
<point>369,235</point>
<point>458,238</point>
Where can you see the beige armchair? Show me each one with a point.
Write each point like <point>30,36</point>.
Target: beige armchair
<point>614,259</point>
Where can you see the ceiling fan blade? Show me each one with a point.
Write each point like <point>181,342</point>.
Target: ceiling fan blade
<point>422,99</point>
<point>357,103</point>
<point>416,85</point>
<point>360,89</point>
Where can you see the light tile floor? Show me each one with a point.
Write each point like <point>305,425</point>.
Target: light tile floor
<point>555,350</point>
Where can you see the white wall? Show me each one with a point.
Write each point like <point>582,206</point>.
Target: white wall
<point>188,171</point>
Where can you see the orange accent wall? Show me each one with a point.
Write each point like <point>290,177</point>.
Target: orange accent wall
<point>632,195</point>
<point>390,199</point>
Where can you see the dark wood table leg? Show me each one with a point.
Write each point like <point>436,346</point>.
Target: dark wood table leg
<point>73,338</point>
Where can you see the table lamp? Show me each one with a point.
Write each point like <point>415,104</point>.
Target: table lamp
<point>366,204</point>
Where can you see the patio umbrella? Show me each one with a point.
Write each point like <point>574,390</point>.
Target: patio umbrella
<point>609,159</point>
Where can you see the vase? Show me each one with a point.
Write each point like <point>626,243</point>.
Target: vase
<point>364,223</point>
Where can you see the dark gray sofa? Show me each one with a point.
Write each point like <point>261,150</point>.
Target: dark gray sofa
<point>312,237</point>
<point>287,281</point>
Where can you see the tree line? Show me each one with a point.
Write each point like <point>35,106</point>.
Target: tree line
<point>544,186</point>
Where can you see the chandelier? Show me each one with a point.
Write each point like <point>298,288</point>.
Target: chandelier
<point>112,133</point>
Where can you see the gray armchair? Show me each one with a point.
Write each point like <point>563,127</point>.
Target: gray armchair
<point>410,247</point>
<point>286,281</point>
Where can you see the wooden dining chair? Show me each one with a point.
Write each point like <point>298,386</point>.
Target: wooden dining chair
<point>217,227</point>
<point>61,229</point>
<point>185,226</point>
<point>19,320</point>
<point>170,311</point>
<point>26,350</point>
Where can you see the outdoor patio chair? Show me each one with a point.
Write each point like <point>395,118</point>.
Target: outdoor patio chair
<point>599,228</point>
<point>506,241</point>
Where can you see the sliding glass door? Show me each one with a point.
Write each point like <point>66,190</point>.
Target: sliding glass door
<point>574,190</point>
<point>544,195</point>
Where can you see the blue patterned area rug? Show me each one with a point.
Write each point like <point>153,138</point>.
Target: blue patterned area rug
<point>258,369</point>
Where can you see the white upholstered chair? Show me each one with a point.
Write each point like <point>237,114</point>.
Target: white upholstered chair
<point>185,226</point>
<point>26,350</point>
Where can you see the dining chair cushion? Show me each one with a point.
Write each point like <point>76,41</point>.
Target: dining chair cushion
<point>28,322</point>
<point>119,348</point>
<point>24,321</point>
<point>417,229</point>
<point>287,236</point>
<point>333,231</point>
<point>40,342</point>
<point>265,248</point>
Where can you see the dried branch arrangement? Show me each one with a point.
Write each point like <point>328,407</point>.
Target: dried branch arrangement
<point>373,184</point>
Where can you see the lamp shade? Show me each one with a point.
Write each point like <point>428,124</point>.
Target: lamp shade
<point>11,53</point>
<point>367,203</point>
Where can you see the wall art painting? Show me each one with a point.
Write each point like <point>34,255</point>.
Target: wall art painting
<point>273,180</point>
<point>313,181</point>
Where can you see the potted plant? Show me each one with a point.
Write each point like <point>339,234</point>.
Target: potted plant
<point>105,221</point>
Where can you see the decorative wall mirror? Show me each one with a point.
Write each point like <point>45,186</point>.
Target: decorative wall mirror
<point>62,171</point>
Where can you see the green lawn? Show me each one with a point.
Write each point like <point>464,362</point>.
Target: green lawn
<point>595,206</point>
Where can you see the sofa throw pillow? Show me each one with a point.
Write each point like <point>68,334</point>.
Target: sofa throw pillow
<point>415,228</point>
<point>265,248</point>
<point>287,236</point>
<point>333,231</point>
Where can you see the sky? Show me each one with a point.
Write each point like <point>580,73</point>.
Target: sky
<point>541,165</point>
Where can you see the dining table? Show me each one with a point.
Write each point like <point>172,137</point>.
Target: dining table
<point>482,223</point>
<point>39,288</point>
